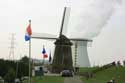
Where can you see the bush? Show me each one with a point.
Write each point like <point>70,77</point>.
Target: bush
<point>10,76</point>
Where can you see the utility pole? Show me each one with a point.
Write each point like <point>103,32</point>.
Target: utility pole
<point>75,54</point>
<point>12,46</point>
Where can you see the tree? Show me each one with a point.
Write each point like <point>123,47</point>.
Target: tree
<point>23,67</point>
<point>10,76</point>
<point>25,59</point>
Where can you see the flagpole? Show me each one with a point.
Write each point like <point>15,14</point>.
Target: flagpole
<point>43,57</point>
<point>50,58</point>
<point>29,56</point>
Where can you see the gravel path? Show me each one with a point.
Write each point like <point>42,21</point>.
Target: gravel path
<point>74,79</point>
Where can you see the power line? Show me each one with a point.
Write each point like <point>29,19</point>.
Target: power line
<point>12,46</point>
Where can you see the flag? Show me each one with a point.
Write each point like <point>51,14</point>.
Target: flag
<point>45,56</point>
<point>28,32</point>
<point>27,37</point>
<point>44,53</point>
<point>50,58</point>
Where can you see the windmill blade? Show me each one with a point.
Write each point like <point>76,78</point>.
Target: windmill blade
<point>43,36</point>
<point>80,39</point>
<point>51,36</point>
<point>65,20</point>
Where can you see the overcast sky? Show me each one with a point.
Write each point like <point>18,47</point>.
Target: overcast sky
<point>100,20</point>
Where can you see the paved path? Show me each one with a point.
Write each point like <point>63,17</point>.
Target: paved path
<point>74,79</point>
<point>50,74</point>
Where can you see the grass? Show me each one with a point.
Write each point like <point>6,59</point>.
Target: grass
<point>118,73</point>
<point>47,79</point>
<point>87,69</point>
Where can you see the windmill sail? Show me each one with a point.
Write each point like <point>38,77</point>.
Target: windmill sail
<point>65,20</point>
<point>36,35</point>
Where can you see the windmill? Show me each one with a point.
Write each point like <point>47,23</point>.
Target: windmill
<point>63,52</point>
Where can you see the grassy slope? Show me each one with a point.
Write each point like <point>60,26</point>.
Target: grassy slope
<point>47,79</point>
<point>118,73</point>
<point>100,77</point>
<point>87,69</point>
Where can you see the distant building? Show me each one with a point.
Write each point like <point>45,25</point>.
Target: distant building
<point>38,68</point>
<point>37,71</point>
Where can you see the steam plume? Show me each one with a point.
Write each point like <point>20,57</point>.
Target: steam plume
<point>87,20</point>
